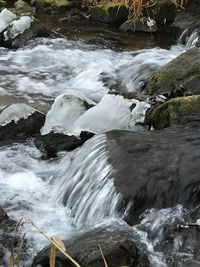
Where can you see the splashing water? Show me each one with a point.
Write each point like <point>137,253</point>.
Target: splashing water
<point>76,190</point>
<point>48,67</point>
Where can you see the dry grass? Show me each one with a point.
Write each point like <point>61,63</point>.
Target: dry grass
<point>56,245</point>
<point>136,7</point>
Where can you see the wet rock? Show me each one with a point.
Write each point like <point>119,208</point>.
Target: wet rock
<point>175,111</point>
<point>109,13</point>
<point>106,44</point>
<point>181,73</point>
<point>156,169</point>
<point>18,122</point>
<point>140,25</point>
<point>7,227</point>
<point>53,5</point>
<point>119,250</point>
<point>52,143</point>
<point>16,31</point>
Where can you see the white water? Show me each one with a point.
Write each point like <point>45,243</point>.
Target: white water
<point>49,67</point>
<point>32,188</point>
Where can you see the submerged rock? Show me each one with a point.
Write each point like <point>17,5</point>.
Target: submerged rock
<point>118,248</point>
<point>110,13</point>
<point>156,169</point>
<point>53,5</point>
<point>181,73</point>
<point>175,111</point>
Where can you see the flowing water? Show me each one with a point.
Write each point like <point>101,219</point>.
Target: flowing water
<point>75,192</point>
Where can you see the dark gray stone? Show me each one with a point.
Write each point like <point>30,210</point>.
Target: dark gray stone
<point>119,250</point>
<point>156,169</point>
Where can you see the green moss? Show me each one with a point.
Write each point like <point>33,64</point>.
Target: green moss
<point>22,8</point>
<point>109,13</point>
<point>54,4</point>
<point>183,70</point>
<point>175,111</point>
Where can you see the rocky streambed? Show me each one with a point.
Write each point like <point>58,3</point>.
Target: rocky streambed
<point>99,146</point>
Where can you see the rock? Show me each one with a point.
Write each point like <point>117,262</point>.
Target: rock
<point>18,122</point>
<point>3,3</point>
<point>53,5</point>
<point>118,248</point>
<point>69,107</point>
<point>6,17</point>
<point>140,25</point>
<point>109,13</point>
<point>52,143</point>
<point>175,111</point>
<point>181,73</point>
<point>156,169</point>
<point>106,44</point>
<point>7,242</point>
<point>16,31</point>
<point>23,8</point>
<point>164,11</point>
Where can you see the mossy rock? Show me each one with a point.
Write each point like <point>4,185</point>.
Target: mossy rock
<point>175,111</point>
<point>23,8</point>
<point>109,13</point>
<point>182,72</point>
<point>54,5</point>
<point>163,12</point>
<point>3,3</point>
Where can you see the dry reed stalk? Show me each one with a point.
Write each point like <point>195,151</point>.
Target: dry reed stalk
<point>56,244</point>
<point>104,259</point>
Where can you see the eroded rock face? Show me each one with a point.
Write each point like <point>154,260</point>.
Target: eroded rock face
<point>156,169</point>
<point>118,249</point>
<point>181,73</point>
<point>175,111</point>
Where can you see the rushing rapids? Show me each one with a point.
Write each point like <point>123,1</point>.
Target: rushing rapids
<point>75,191</point>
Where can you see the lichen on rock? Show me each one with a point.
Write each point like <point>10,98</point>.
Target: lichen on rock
<point>175,111</point>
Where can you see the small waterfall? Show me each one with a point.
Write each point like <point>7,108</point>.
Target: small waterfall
<point>87,188</point>
<point>189,39</point>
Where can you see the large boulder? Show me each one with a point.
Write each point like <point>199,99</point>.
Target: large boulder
<point>175,111</point>
<point>16,31</point>
<point>181,73</point>
<point>118,248</point>
<point>156,169</point>
<point>110,13</point>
